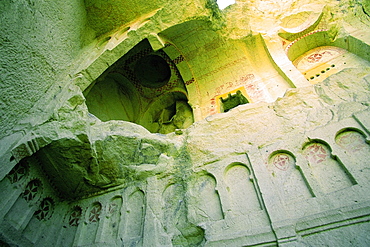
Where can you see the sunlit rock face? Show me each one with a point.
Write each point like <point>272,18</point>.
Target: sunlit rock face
<point>184,123</point>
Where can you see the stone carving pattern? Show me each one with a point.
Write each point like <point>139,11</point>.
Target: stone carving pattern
<point>45,210</point>
<point>75,216</point>
<point>31,190</point>
<point>304,36</point>
<point>20,152</point>
<point>147,92</point>
<point>95,212</point>
<point>178,59</point>
<point>18,172</point>
<point>112,208</point>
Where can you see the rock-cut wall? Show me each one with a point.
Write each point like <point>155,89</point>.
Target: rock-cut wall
<point>186,125</point>
<point>266,174</point>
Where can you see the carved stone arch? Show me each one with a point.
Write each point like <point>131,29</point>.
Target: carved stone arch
<point>241,189</point>
<point>111,223</point>
<point>352,140</point>
<point>129,88</point>
<point>88,232</point>
<point>304,43</point>
<point>287,177</point>
<point>114,206</point>
<point>361,132</point>
<point>135,212</point>
<point>172,198</point>
<point>175,49</point>
<point>181,63</point>
<point>315,50</point>
<point>317,56</point>
<point>73,220</point>
<point>317,141</point>
<point>74,216</point>
<point>327,169</point>
<point>231,165</point>
<point>174,208</point>
<point>33,190</point>
<point>19,172</point>
<point>287,158</point>
<point>94,212</point>
<point>98,63</point>
<point>322,37</point>
<point>38,223</point>
<point>355,150</point>
<point>46,209</point>
<point>137,191</point>
<point>204,174</point>
<point>203,198</point>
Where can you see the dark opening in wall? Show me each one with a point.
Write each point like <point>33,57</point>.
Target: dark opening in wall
<point>143,87</point>
<point>232,101</point>
<point>152,71</point>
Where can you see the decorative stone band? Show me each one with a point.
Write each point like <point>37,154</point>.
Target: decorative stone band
<point>28,147</point>
<point>189,81</point>
<point>307,34</point>
<point>179,59</point>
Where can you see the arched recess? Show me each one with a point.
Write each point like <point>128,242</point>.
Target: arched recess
<point>353,141</point>
<point>204,200</point>
<point>27,203</point>
<point>241,189</point>
<point>288,177</point>
<point>174,214</point>
<point>17,178</point>
<point>330,173</point>
<point>356,149</point>
<point>89,230</point>
<point>317,56</point>
<point>72,220</point>
<point>111,221</point>
<point>135,213</point>
<point>143,87</point>
<point>38,224</point>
